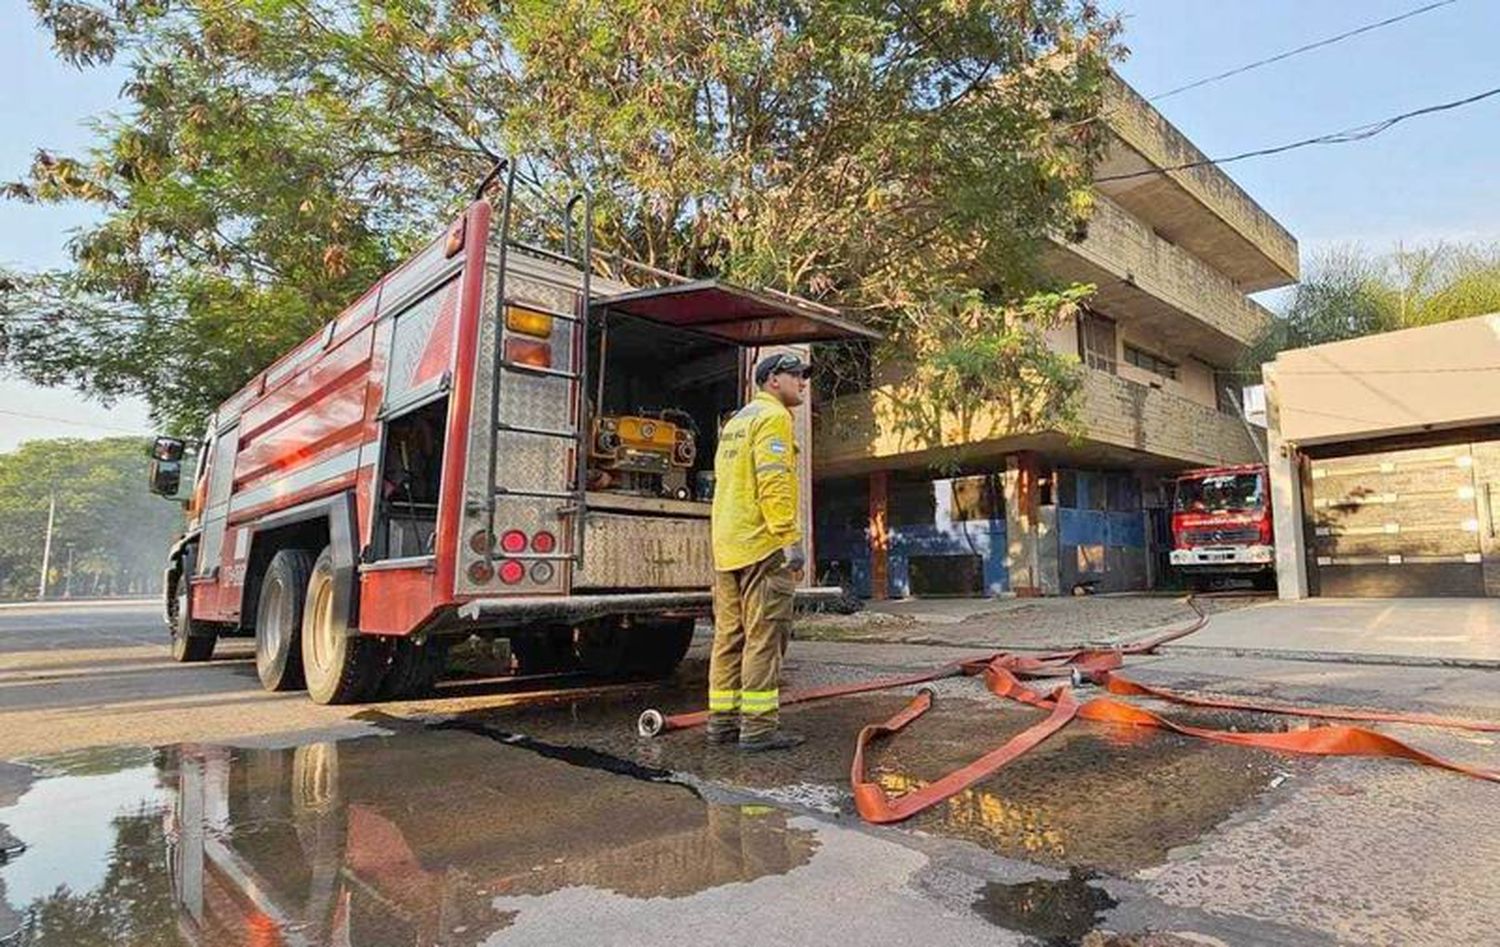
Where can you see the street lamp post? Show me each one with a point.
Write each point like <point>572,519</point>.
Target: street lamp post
<point>41,589</point>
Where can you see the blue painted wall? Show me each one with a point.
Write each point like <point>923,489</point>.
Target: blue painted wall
<point>941,537</point>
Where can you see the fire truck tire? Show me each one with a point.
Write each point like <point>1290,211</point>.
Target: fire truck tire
<point>278,620</point>
<point>548,651</point>
<point>648,647</point>
<point>340,668</point>
<point>189,642</point>
<point>413,670</point>
<point>658,649</point>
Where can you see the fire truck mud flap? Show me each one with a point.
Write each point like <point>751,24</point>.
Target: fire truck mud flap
<point>574,608</point>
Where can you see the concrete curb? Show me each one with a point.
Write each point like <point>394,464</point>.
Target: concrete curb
<point>1330,657</point>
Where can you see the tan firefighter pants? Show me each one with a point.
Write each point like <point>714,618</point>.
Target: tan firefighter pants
<point>752,620</point>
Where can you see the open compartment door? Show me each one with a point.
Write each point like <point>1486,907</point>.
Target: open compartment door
<point>737,315</point>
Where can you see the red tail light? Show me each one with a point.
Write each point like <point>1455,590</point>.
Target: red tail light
<point>527,352</point>
<point>543,542</point>
<point>480,572</point>
<point>512,572</point>
<point>513,541</point>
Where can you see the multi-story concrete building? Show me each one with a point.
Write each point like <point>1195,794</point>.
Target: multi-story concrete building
<point>1174,254</point>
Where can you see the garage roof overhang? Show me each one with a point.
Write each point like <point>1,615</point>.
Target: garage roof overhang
<point>1434,378</point>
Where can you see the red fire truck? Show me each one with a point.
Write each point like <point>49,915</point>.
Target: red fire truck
<point>1221,525</point>
<point>493,439</point>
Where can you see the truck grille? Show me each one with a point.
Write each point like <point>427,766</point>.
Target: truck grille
<point>1223,536</point>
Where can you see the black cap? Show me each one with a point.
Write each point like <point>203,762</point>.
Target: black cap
<point>785,363</point>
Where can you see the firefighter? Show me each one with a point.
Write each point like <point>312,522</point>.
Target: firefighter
<point>758,558</point>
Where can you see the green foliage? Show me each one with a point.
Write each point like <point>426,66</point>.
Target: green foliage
<point>117,531</point>
<point>1349,293</point>
<point>278,155</point>
<point>984,371</point>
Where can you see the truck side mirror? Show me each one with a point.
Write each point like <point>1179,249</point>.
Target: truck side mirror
<point>166,467</point>
<point>167,448</point>
<point>165,477</point>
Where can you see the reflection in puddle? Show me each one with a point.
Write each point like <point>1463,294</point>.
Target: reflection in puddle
<point>1029,828</point>
<point>1112,798</point>
<point>1086,797</point>
<point>1058,912</point>
<point>403,840</point>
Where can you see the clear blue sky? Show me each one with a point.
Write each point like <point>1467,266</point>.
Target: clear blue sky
<point>1428,179</point>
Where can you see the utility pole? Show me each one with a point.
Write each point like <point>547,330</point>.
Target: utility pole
<point>41,589</point>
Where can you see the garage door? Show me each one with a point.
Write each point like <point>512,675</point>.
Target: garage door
<point>1397,523</point>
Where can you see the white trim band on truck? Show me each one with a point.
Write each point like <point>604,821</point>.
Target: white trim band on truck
<point>1224,556</point>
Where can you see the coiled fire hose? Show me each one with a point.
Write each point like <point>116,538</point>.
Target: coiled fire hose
<point>1003,673</point>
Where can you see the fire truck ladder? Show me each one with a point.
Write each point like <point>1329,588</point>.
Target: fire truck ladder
<point>576,494</point>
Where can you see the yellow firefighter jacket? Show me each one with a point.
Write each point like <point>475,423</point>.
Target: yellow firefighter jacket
<point>755,485</point>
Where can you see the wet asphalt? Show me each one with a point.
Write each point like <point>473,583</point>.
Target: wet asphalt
<point>538,816</point>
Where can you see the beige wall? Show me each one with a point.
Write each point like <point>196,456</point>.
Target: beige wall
<point>1194,380</point>
<point>1199,207</point>
<point>1116,412</point>
<point>1428,378</point>
<point>1064,338</point>
<point>1193,299</point>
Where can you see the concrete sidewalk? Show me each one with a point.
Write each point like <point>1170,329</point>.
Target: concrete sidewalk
<point>1011,623</point>
<point>1461,632</point>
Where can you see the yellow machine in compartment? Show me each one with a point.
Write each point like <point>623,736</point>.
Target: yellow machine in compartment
<point>649,455</point>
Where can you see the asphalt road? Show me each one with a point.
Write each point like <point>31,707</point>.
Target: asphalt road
<point>202,810</point>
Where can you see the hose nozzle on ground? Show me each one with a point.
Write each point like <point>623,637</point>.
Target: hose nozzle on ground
<point>650,723</point>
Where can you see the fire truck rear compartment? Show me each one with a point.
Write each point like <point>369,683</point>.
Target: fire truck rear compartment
<point>410,480</point>
<point>654,372</point>
<point>652,441</point>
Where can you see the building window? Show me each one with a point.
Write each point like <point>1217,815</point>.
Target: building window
<point>1096,342</point>
<point>977,498</point>
<point>1228,394</point>
<point>1154,364</point>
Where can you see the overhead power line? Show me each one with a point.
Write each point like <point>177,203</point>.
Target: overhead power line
<point>1329,41</point>
<point>1357,133</point>
<point>57,420</point>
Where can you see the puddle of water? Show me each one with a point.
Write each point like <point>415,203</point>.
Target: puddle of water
<point>69,827</point>
<point>411,839</point>
<point>1059,913</point>
<point>1115,799</point>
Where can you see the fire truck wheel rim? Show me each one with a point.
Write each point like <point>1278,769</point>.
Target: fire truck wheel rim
<point>322,626</point>
<point>268,641</point>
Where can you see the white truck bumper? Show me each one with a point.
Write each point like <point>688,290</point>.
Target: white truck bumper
<point>1244,556</point>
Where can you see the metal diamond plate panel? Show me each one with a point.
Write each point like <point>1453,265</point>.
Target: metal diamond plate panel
<point>476,466</point>
<point>542,293</point>
<point>533,462</point>
<point>536,401</point>
<point>645,552</point>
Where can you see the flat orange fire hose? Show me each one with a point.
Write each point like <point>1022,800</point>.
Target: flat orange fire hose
<point>1002,674</point>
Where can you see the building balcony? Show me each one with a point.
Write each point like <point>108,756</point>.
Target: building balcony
<point>1200,209</point>
<point>1145,280</point>
<point>1127,424</point>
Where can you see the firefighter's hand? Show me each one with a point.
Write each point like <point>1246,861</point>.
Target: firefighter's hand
<point>795,557</point>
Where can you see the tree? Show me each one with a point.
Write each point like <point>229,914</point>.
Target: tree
<point>118,531</point>
<point>1349,293</point>
<point>902,161</point>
